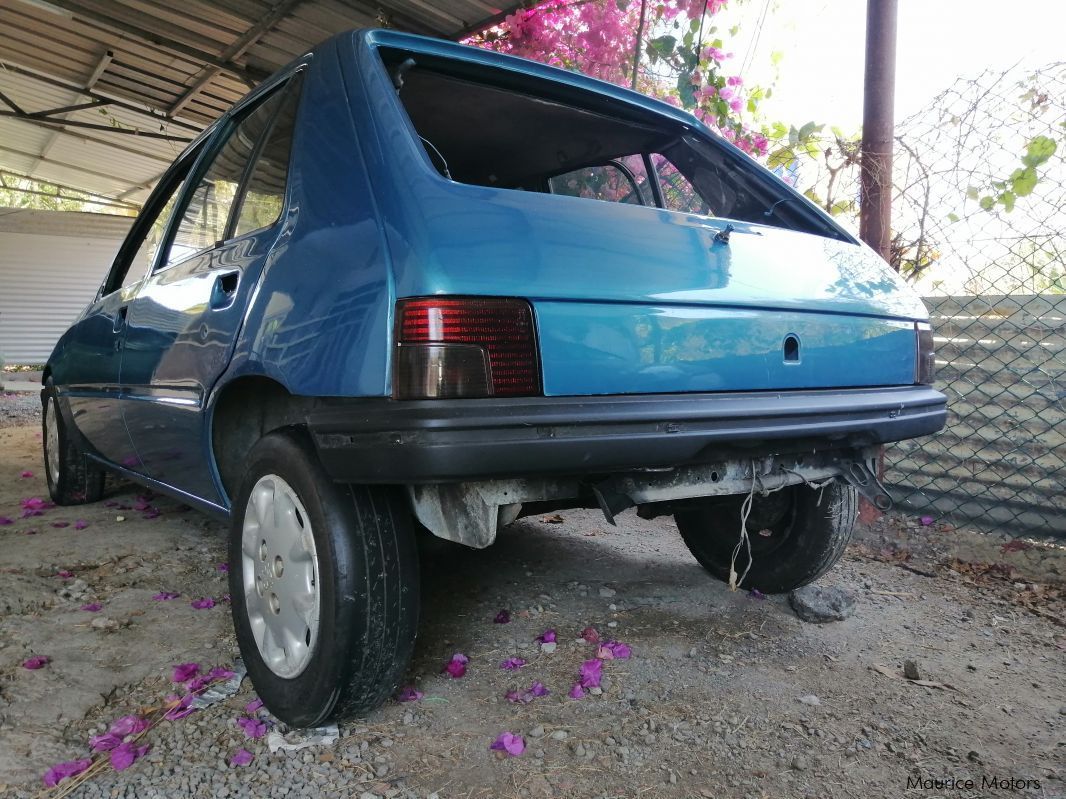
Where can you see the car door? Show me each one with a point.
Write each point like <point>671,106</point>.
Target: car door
<point>88,358</point>
<point>183,323</point>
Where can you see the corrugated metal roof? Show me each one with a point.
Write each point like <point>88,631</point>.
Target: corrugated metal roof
<point>165,70</point>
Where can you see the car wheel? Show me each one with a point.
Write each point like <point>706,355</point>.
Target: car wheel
<point>796,535</point>
<point>324,585</point>
<point>72,478</point>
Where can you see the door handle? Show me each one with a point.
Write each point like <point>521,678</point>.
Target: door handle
<point>225,290</point>
<point>120,319</point>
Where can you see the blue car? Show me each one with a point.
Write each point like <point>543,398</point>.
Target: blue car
<point>406,284</point>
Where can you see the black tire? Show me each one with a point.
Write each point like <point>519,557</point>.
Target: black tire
<point>808,530</point>
<point>367,582</point>
<point>73,479</point>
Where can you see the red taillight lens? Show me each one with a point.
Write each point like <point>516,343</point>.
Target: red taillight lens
<point>465,347</point>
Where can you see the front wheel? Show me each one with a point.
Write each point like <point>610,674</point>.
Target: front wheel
<point>72,478</point>
<point>796,534</point>
<point>324,585</point>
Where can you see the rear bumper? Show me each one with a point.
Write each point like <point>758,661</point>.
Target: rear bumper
<point>379,440</point>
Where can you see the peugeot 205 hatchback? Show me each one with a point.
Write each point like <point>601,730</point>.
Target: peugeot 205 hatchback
<point>408,282</point>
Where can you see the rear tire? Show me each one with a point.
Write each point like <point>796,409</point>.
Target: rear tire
<point>72,478</point>
<point>324,585</point>
<point>806,537</point>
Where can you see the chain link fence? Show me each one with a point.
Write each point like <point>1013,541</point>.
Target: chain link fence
<point>979,228</point>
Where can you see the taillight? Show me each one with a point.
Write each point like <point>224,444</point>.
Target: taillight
<point>450,347</point>
<point>925,364</point>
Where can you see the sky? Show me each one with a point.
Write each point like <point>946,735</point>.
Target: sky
<point>822,43</point>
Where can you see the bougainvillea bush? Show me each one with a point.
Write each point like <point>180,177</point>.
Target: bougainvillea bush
<point>667,49</point>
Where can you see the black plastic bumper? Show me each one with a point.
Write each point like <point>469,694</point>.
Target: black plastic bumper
<point>380,440</point>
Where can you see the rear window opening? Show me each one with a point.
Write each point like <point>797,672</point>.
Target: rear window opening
<point>488,127</point>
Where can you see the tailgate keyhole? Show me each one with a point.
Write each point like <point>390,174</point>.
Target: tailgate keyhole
<point>792,349</point>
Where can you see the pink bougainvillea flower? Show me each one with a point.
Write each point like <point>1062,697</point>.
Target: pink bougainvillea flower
<point>591,673</point>
<point>254,706</point>
<point>225,598</point>
<point>517,697</point>
<point>181,707</point>
<point>197,684</point>
<point>64,574</point>
<point>91,607</point>
<point>30,512</point>
<point>513,664</point>
<point>61,524</point>
<point>546,637</point>
<point>253,727</point>
<point>408,694</point>
<point>124,755</point>
<point>456,667</point>
<point>576,691</point>
<point>616,649</point>
<point>4,521</point>
<point>242,757</point>
<point>503,617</point>
<point>36,662</point>
<point>61,771</point>
<point>223,567</point>
<point>35,503</point>
<point>26,473</point>
<point>163,596</point>
<point>926,521</point>
<point>105,742</point>
<point>154,513</point>
<point>185,671</point>
<point>755,593</point>
<point>538,689</point>
<point>80,524</point>
<point>203,603</point>
<point>128,725</point>
<point>141,504</point>
<point>510,743</point>
<point>220,673</point>
<point>591,635</point>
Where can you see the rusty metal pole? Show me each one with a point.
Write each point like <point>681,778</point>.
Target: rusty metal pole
<point>875,214</point>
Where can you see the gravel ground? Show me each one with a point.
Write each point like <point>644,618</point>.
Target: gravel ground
<point>19,408</point>
<point>725,695</point>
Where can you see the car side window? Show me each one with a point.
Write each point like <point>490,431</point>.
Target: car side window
<point>678,192</point>
<point>623,180</point>
<point>203,222</point>
<point>143,259</point>
<point>264,193</point>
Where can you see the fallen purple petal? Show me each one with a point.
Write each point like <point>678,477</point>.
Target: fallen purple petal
<point>185,671</point>
<point>576,691</point>
<point>926,520</point>
<point>80,524</point>
<point>591,635</point>
<point>4,521</point>
<point>29,512</point>
<point>254,706</point>
<point>223,567</point>
<point>61,524</point>
<point>163,596</point>
<point>618,650</point>
<point>242,757</point>
<point>546,637</point>
<point>63,573</point>
<point>538,689</point>
<point>456,667</point>
<point>408,694</point>
<point>203,603</point>
<point>128,725</point>
<point>26,473</point>
<point>91,607</point>
<point>125,755</point>
<point>253,727</point>
<point>35,503</point>
<point>61,771</point>
<point>755,593</point>
<point>36,662</point>
<point>513,664</point>
<point>503,617</point>
<point>105,742</point>
<point>154,513</point>
<point>180,707</point>
<point>510,743</point>
<point>591,673</point>
<point>220,673</point>
<point>517,697</point>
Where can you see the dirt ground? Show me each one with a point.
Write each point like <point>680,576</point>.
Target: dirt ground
<point>725,695</point>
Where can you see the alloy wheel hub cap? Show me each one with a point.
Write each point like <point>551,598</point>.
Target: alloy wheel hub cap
<point>52,441</point>
<point>279,570</point>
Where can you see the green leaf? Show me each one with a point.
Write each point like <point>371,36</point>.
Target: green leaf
<point>793,136</point>
<point>780,157</point>
<point>1039,150</point>
<point>972,193</point>
<point>1023,181</point>
<point>953,218</point>
<point>694,25</point>
<point>685,90</point>
<point>1007,198</point>
<point>987,203</point>
<point>664,45</point>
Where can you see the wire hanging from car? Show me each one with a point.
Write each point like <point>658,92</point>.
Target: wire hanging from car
<point>443,161</point>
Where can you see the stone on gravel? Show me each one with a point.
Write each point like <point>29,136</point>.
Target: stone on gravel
<point>910,670</point>
<point>537,732</point>
<point>819,605</point>
<point>607,592</point>
<point>810,699</point>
